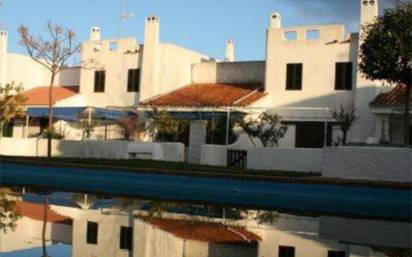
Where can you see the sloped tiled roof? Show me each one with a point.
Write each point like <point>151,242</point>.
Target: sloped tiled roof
<point>393,98</point>
<point>39,96</point>
<point>204,231</point>
<point>210,95</point>
<point>36,212</point>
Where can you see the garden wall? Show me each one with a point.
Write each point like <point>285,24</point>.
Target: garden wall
<point>303,160</point>
<point>83,149</point>
<point>213,155</point>
<point>389,164</point>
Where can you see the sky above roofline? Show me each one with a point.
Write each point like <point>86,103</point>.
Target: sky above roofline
<point>199,25</point>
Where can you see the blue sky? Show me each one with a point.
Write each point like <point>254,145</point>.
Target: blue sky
<point>199,25</point>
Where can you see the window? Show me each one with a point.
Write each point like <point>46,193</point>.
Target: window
<point>113,46</point>
<point>310,135</point>
<point>343,78</point>
<point>336,254</point>
<point>92,229</point>
<point>126,238</point>
<point>294,76</point>
<point>286,251</point>
<point>312,34</point>
<point>290,35</point>
<point>133,82</point>
<point>99,81</point>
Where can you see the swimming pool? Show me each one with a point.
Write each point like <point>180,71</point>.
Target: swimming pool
<point>342,200</point>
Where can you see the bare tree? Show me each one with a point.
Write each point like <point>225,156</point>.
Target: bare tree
<point>52,53</point>
<point>345,116</point>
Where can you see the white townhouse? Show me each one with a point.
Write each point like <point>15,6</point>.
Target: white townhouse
<point>308,70</point>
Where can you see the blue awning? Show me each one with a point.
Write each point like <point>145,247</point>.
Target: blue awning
<point>63,113</point>
<point>75,113</point>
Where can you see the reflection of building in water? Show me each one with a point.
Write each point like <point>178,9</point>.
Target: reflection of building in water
<point>28,233</point>
<point>110,234</point>
<point>290,236</point>
<point>114,232</point>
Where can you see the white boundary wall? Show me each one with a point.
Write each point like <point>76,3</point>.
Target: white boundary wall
<point>303,160</point>
<point>84,149</point>
<point>213,155</point>
<point>386,164</point>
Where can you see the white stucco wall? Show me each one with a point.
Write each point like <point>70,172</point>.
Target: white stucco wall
<point>23,70</point>
<point>84,149</point>
<point>309,160</point>
<point>116,63</point>
<point>197,138</point>
<point>28,234</point>
<point>108,234</point>
<point>228,72</point>
<point>298,232</point>
<point>366,232</point>
<point>370,163</point>
<point>318,57</point>
<point>175,67</point>
<point>213,155</point>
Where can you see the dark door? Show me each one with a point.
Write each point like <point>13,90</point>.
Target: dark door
<point>310,135</point>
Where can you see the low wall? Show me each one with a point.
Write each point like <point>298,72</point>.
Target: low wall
<point>93,149</point>
<point>174,152</point>
<point>303,160</point>
<point>386,164</point>
<point>81,149</point>
<point>213,155</point>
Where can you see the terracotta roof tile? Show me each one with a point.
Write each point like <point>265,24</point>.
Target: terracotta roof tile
<point>210,95</point>
<point>394,98</point>
<point>204,231</point>
<point>40,95</point>
<point>36,212</point>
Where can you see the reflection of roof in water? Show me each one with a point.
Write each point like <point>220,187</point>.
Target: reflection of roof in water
<point>204,231</point>
<point>36,212</point>
<point>60,199</point>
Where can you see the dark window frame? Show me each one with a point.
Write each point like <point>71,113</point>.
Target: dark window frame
<point>344,76</point>
<point>92,232</point>
<point>333,253</point>
<point>99,81</point>
<point>294,75</point>
<point>133,80</point>
<point>126,238</point>
<point>286,251</point>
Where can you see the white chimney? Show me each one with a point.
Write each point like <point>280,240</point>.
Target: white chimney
<point>230,51</point>
<point>3,57</point>
<point>95,34</point>
<point>275,20</point>
<point>369,11</point>
<point>150,62</point>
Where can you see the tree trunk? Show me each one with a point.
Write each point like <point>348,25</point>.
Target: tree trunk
<point>49,134</point>
<point>344,136</point>
<point>1,128</point>
<point>43,235</point>
<point>407,118</point>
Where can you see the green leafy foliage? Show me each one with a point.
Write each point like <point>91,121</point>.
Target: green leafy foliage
<point>216,130</point>
<point>9,214</point>
<point>164,128</point>
<point>386,51</point>
<point>11,101</point>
